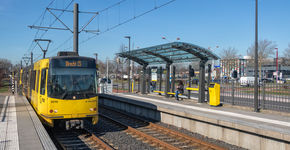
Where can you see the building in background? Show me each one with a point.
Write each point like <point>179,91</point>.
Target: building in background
<point>245,67</point>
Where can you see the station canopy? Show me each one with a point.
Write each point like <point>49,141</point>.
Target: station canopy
<point>175,52</point>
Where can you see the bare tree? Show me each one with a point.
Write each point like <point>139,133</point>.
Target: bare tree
<point>229,53</point>
<point>265,49</point>
<point>102,67</point>
<point>5,66</point>
<point>287,52</point>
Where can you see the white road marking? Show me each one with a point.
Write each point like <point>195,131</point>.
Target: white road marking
<point>8,128</point>
<point>277,122</point>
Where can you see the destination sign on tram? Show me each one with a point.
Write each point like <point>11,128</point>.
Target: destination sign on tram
<point>73,63</point>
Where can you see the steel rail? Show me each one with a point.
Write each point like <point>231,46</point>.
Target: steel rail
<point>83,135</point>
<point>99,141</point>
<point>192,139</point>
<point>170,131</point>
<point>142,135</point>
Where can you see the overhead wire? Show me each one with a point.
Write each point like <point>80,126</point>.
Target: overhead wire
<point>36,33</point>
<point>51,23</point>
<point>126,21</point>
<point>108,28</point>
<point>83,27</point>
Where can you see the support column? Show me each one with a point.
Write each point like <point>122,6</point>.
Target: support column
<point>201,89</point>
<point>31,60</point>
<point>143,80</point>
<point>139,80</point>
<point>148,79</point>
<point>189,81</point>
<point>208,80</point>
<point>160,79</point>
<point>173,79</point>
<point>129,78</point>
<point>167,84</point>
<point>76,28</point>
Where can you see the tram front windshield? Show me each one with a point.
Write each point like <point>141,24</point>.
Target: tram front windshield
<point>72,83</point>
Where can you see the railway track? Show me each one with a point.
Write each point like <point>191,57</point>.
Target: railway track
<point>153,134</point>
<point>79,139</point>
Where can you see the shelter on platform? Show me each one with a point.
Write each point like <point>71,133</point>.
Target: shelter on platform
<point>175,52</point>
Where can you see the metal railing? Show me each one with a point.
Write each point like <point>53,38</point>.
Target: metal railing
<point>272,96</point>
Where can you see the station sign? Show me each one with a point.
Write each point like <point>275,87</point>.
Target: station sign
<point>154,74</point>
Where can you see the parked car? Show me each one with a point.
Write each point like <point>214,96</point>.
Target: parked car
<point>267,80</point>
<point>281,81</point>
<point>105,80</point>
<point>249,81</point>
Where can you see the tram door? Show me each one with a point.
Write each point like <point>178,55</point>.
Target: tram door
<point>42,92</point>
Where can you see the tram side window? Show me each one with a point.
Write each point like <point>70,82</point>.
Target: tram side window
<point>37,80</point>
<point>42,81</point>
<point>33,80</point>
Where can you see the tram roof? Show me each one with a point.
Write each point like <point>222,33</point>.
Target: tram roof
<point>175,52</point>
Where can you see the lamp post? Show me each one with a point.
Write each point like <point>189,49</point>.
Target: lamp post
<point>129,69</point>
<point>256,109</point>
<point>276,64</point>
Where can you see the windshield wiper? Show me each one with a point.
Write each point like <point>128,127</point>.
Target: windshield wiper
<point>89,93</point>
<point>64,95</point>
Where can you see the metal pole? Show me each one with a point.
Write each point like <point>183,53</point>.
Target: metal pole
<point>167,80</point>
<point>189,81</point>
<point>276,65</point>
<point>201,89</point>
<point>143,79</point>
<point>173,79</point>
<point>233,91</point>
<point>129,66</point>
<point>76,28</point>
<point>148,79</point>
<point>96,54</point>
<point>160,78</point>
<point>117,73</point>
<point>107,75</point>
<point>139,81</point>
<point>264,94</point>
<point>256,109</point>
<point>31,60</point>
<point>208,80</point>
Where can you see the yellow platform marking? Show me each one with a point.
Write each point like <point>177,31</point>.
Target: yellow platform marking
<point>192,89</point>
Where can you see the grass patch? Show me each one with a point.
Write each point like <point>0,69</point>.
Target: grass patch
<point>4,85</point>
<point>4,89</point>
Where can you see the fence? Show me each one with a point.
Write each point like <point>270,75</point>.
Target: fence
<point>272,96</point>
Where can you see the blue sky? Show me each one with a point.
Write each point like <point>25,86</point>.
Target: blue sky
<point>207,23</point>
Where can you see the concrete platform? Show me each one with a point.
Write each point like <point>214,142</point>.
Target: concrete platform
<point>243,128</point>
<point>20,128</point>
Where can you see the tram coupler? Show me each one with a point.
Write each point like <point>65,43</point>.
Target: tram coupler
<point>74,124</point>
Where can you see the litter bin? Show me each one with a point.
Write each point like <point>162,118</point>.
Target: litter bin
<point>214,94</point>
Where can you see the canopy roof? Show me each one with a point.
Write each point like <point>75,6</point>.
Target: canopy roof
<point>169,53</point>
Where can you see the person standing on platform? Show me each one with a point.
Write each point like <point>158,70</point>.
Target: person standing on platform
<point>180,89</point>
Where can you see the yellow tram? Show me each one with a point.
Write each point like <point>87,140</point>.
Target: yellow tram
<point>63,90</point>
